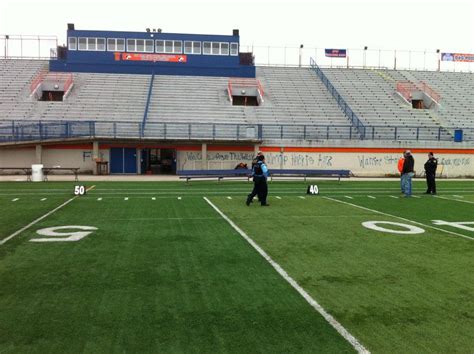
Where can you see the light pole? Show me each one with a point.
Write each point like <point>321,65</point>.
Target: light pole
<point>301,54</point>
<point>365,55</point>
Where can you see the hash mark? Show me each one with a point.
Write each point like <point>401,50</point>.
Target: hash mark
<point>14,200</point>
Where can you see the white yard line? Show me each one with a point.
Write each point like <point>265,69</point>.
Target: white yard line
<point>126,198</point>
<point>454,200</point>
<point>99,199</point>
<point>153,198</point>
<point>458,196</point>
<point>229,197</point>
<point>371,197</point>
<point>277,197</point>
<point>40,218</point>
<point>179,198</point>
<point>392,196</point>
<point>35,221</point>
<point>14,200</point>
<point>331,320</point>
<point>346,196</point>
<point>43,199</point>
<point>401,218</point>
<point>302,197</point>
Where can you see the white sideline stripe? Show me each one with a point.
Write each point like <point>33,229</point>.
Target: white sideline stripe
<point>35,221</point>
<point>371,197</point>
<point>454,200</point>
<point>43,199</point>
<point>392,196</point>
<point>401,218</point>
<point>346,196</point>
<point>331,320</point>
<point>229,197</point>
<point>302,197</point>
<point>14,200</point>
<point>278,197</point>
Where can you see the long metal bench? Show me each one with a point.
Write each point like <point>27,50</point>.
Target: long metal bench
<point>221,174</point>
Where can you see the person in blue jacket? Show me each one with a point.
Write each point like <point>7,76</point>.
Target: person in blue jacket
<point>260,187</point>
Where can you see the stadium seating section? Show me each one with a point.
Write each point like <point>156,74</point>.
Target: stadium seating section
<point>293,97</point>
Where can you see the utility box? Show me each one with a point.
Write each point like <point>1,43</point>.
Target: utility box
<point>36,173</point>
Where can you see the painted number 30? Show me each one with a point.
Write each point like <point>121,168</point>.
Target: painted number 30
<point>55,234</point>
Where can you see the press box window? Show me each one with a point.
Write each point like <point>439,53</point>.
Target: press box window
<point>82,43</point>
<point>192,47</point>
<point>206,48</point>
<point>234,49</point>
<point>101,44</point>
<point>160,46</point>
<point>131,46</point>
<point>149,46</point>
<point>224,48</point>
<point>115,44</point>
<point>72,43</point>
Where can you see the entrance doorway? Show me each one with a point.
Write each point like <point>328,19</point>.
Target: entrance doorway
<point>123,160</point>
<point>159,161</point>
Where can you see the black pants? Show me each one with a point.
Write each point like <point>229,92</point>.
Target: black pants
<point>430,181</point>
<point>260,188</point>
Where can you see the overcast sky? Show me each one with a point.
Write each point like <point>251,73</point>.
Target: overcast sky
<point>378,24</point>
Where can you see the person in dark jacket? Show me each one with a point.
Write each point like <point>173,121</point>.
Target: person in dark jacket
<point>430,171</point>
<point>408,172</point>
<point>260,188</point>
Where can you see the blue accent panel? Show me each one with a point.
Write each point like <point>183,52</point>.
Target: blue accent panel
<point>130,160</point>
<point>116,160</point>
<point>241,71</point>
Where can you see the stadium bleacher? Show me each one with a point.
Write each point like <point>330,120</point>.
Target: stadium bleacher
<point>295,100</point>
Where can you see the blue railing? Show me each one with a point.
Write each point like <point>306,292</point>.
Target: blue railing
<point>147,106</point>
<point>355,121</point>
<point>20,131</point>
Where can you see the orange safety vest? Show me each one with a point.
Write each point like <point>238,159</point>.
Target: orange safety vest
<point>400,164</point>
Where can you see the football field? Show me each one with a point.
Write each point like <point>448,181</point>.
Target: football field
<point>188,267</point>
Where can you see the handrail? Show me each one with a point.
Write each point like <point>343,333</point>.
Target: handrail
<point>27,130</point>
<point>354,119</point>
<point>37,80</point>
<point>147,105</point>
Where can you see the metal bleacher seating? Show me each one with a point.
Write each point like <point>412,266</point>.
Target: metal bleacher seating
<point>295,100</point>
<point>372,96</point>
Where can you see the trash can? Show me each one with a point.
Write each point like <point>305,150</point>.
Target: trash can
<point>37,173</point>
<point>458,136</point>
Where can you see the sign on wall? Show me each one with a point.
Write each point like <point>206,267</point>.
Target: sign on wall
<point>169,58</point>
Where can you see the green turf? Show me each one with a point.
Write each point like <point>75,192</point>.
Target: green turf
<point>171,275</point>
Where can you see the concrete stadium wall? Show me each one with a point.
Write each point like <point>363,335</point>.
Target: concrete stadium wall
<point>361,161</point>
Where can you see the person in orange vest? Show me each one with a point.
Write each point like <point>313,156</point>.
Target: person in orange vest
<point>401,161</point>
